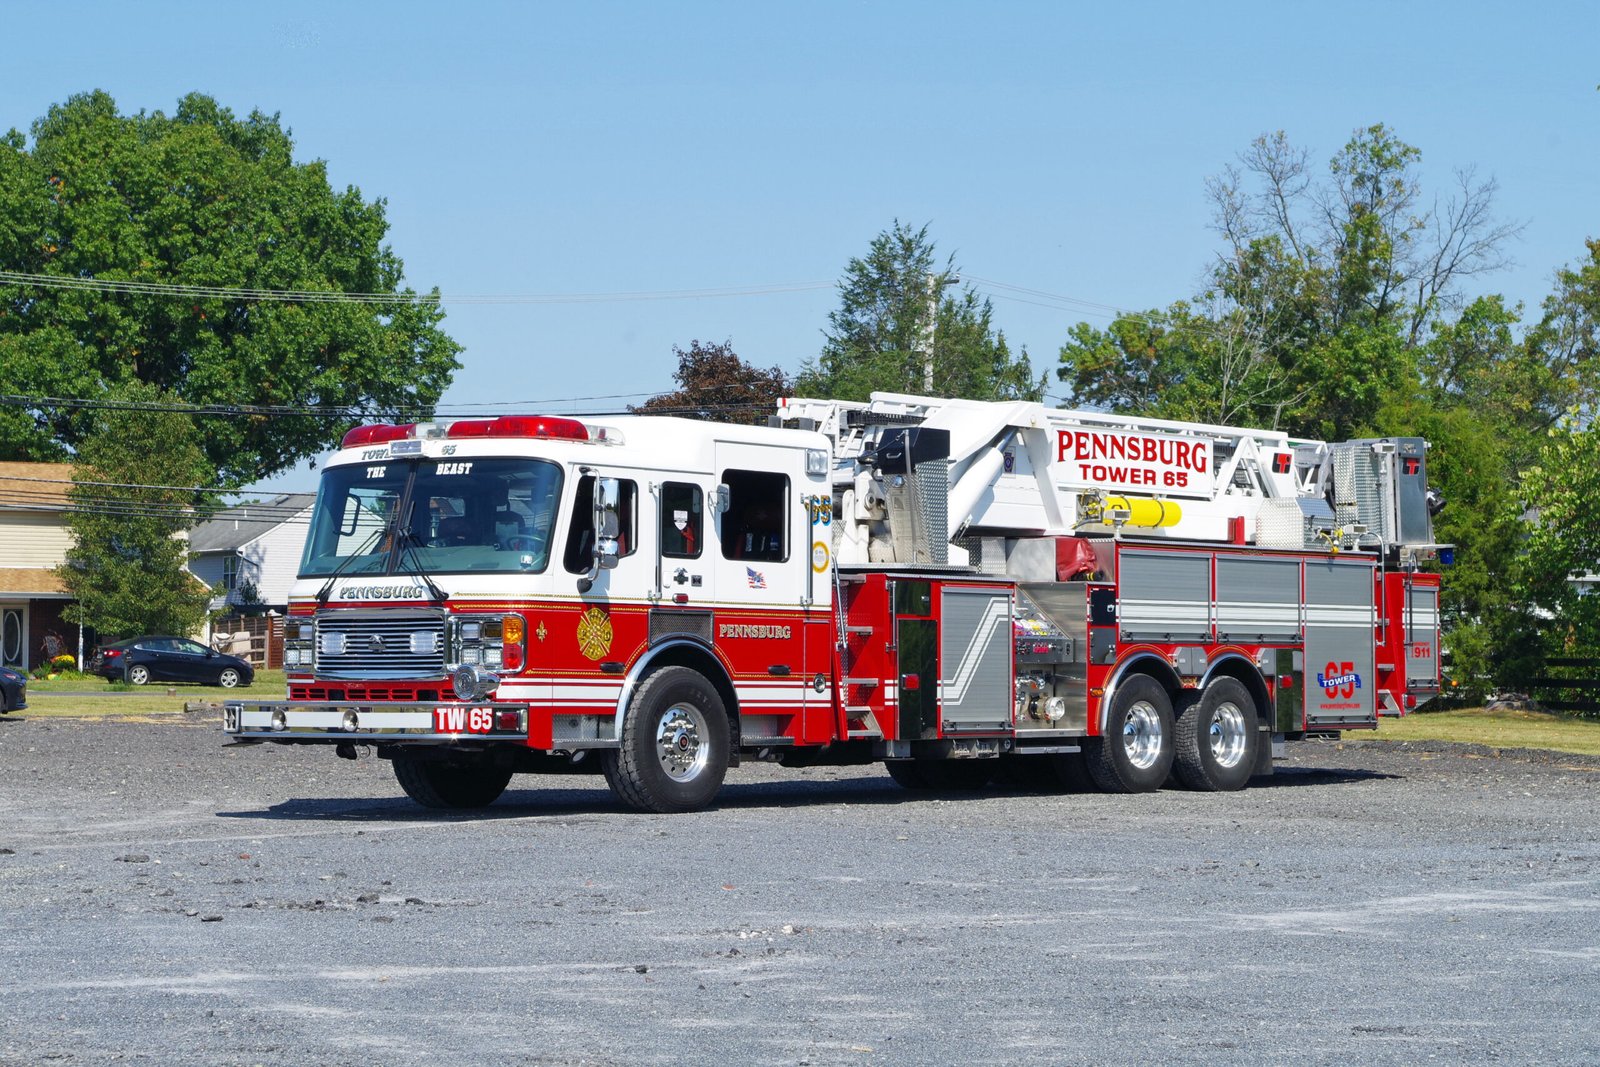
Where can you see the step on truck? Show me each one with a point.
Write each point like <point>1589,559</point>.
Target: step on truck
<point>957,590</point>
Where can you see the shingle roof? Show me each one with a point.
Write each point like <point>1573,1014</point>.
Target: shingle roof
<point>30,581</point>
<point>35,486</point>
<point>238,526</point>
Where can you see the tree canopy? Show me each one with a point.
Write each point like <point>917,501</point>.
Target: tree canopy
<point>135,475</point>
<point>1318,302</point>
<point>714,383</point>
<point>890,302</point>
<point>198,199</point>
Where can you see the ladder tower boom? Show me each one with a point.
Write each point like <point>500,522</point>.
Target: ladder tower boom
<point>1019,469</point>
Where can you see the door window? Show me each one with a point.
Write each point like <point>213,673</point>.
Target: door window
<point>11,637</point>
<point>681,509</point>
<point>753,527</point>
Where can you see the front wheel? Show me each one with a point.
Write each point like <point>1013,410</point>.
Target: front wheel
<point>674,750</point>
<point>139,674</point>
<point>228,678</point>
<point>1134,753</point>
<point>1217,738</point>
<point>436,784</point>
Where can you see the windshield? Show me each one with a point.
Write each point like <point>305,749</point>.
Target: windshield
<point>464,516</point>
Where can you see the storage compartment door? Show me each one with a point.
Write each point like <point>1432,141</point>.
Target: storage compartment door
<point>975,687</point>
<point>1165,596</point>
<point>1422,637</point>
<point>1340,686</point>
<point>1258,599</point>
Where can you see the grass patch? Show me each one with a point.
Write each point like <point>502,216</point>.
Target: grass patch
<point>1496,729</point>
<point>93,697</point>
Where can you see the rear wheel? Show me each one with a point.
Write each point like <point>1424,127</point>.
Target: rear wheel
<point>674,750</point>
<point>139,674</point>
<point>1217,738</point>
<point>437,784</point>
<point>1134,753</point>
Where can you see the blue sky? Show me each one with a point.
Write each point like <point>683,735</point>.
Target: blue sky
<point>540,149</point>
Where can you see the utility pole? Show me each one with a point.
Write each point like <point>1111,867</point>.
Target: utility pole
<point>936,284</point>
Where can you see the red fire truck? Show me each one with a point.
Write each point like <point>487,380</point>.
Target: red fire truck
<point>950,588</point>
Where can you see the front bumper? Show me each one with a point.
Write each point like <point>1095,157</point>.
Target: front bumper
<point>295,722</point>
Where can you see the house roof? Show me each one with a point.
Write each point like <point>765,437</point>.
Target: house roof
<point>233,528</point>
<point>35,486</point>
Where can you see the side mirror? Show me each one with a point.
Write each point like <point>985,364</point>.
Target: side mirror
<point>606,525</point>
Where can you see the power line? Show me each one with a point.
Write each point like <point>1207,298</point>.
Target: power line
<point>324,296</point>
<point>348,412</point>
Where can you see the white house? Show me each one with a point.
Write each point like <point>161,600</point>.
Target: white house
<point>252,546</point>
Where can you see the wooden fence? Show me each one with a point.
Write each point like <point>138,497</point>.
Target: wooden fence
<point>1570,683</point>
<point>258,638</point>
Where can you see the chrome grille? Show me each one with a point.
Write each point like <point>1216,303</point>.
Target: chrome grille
<point>379,644</point>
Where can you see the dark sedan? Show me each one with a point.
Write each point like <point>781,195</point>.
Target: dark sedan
<point>13,690</point>
<point>170,659</point>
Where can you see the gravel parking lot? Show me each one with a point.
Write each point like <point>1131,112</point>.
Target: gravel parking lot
<point>169,900</point>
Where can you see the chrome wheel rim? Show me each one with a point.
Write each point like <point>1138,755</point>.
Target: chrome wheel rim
<point>1141,735</point>
<point>228,679</point>
<point>681,746</point>
<point>1228,734</point>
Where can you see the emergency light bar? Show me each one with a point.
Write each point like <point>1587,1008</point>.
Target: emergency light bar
<point>546,427</point>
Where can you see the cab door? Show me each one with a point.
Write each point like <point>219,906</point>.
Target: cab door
<point>760,557</point>
<point>762,579</point>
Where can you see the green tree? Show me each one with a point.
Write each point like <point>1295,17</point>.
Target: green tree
<point>199,199</point>
<point>1563,492</point>
<point>127,567</point>
<point>1318,303</point>
<point>1563,357</point>
<point>889,302</point>
<point>714,383</point>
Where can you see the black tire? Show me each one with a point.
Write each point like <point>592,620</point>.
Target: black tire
<point>674,751</point>
<point>138,674</point>
<point>1217,738</point>
<point>228,677</point>
<point>1135,752</point>
<point>436,784</point>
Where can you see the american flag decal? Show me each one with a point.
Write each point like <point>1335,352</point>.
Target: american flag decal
<point>757,579</point>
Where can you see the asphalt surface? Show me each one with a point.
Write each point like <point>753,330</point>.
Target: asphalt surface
<point>164,899</point>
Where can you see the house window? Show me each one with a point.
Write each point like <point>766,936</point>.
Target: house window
<point>230,571</point>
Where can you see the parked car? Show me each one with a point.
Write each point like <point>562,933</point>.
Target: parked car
<point>141,660</point>
<point>13,690</point>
